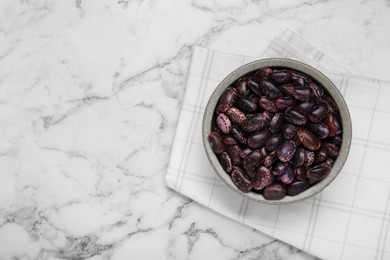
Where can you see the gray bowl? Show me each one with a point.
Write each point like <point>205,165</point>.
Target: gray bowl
<point>299,66</point>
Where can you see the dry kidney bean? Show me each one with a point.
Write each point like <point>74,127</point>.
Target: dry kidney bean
<point>308,139</point>
<point>241,181</point>
<point>274,192</point>
<point>242,87</point>
<point>278,168</point>
<point>320,130</point>
<point>263,152</point>
<point>270,159</point>
<point>302,93</point>
<point>254,122</point>
<point>252,160</point>
<point>320,156</point>
<point>309,158</point>
<point>254,85</point>
<point>281,76</point>
<point>300,83</point>
<point>225,161</point>
<point>319,113</point>
<point>336,140</point>
<point>238,134</point>
<point>276,131</point>
<point>228,140</point>
<point>329,162</point>
<point>262,178</point>
<point>316,89</point>
<point>224,123</point>
<point>216,143</point>
<point>245,152</point>
<point>270,89</point>
<point>258,139</point>
<point>306,106</point>
<point>289,131</point>
<point>276,123</point>
<point>299,157</point>
<point>295,116</point>
<point>333,125</point>
<point>287,89</point>
<point>318,172</point>
<point>263,73</point>
<point>332,107</point>
<point>268,104</point>
<point>331,149</point>
<point>301,173</point>
<point>283,103</point>
<point>227,100</point>
<point>288,176</point>
<point>235,115</point>
<point>246,104</point>
<point>273,142</point>
<point>296,75</point>
<point>297,187</point>
<point>234,154</point>
<point>286,150</point>
<point>267,116</point>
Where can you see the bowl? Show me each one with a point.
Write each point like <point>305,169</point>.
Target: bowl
<point>209,116</point>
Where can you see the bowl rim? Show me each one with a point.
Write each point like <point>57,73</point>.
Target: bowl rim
<point>306,69</point>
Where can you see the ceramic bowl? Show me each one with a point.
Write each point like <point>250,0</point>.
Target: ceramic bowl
<point>209,113</point>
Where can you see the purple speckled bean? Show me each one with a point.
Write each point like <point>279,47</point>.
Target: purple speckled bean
<point>300,173</point>
<point>295,116</point>
<point>268,104</point>
<point>216,143</point>
<point>283,103</point>
<point>333,125</point>
<point>240,180</point>
<point>273,142</point>
<point>234,153</point>
<point>297,187</point>
<point>299,157</point>
<point>320,130</point>
<point>319,113</point>
<point>263,73</point>
<point>242,87</point>
<point>317,173</point>
<point>270,89</point>
<point>223,122</point>
<point>236,116</point>
<point>286,150</point>
<point>276,123</point>
<point>281,76</point>
<point>278,168</point>
<point>258,139</point>
<point>262,178</point>
<point>252,160</point>
<point>225,161</point>
<point>308,139</point>
<point>288,176</point>
<point>227,100</point>
<point>270,159</point>
<point>274,192</point>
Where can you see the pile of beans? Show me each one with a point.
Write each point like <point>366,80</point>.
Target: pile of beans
<point>276,131</point>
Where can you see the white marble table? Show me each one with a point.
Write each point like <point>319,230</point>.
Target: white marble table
<point>90,94</point>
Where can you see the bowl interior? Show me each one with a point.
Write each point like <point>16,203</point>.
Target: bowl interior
<point>320,78</point>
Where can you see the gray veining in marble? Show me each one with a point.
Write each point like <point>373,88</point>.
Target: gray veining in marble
<point>90,93</point>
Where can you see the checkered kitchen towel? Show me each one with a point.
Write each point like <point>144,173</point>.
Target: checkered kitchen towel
<point>350,219</point>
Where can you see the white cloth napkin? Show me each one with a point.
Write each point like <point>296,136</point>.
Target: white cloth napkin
<point>350,219</point>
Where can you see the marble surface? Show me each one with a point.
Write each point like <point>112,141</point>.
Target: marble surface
<point>90,93</point>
